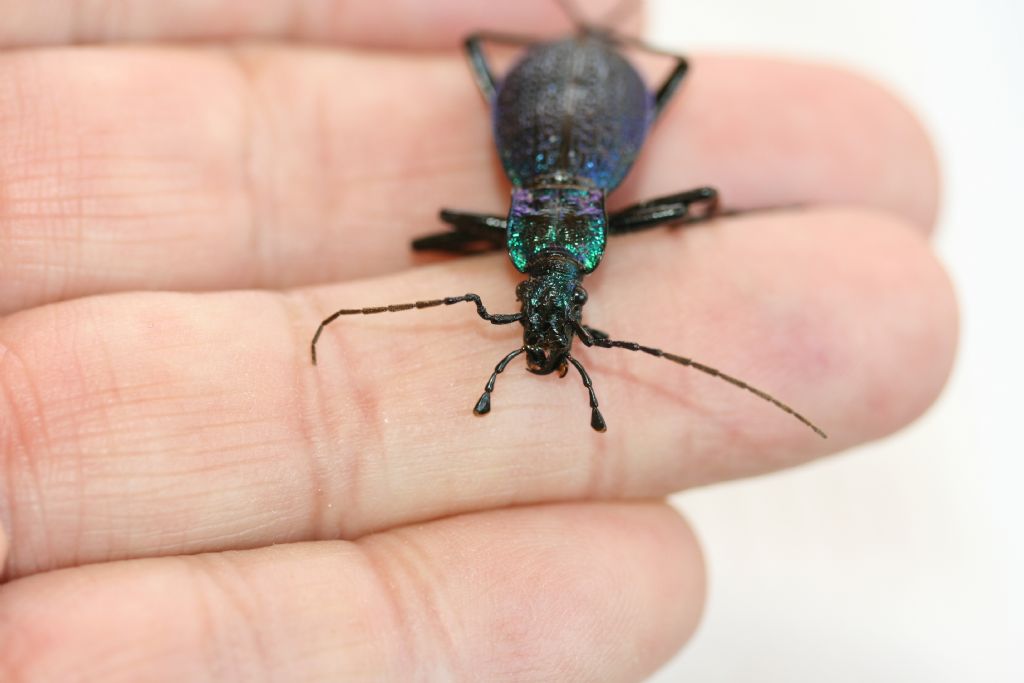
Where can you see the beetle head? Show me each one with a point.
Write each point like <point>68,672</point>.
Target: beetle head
<point>552,304</point>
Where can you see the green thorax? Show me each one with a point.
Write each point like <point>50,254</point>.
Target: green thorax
<point>558,219</point>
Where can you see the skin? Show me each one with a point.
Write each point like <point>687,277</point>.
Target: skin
<point>183,497</point>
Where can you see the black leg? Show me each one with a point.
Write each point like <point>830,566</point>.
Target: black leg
<point>454,243</point>
<point>483,406</point>
<point>472,233</point>
<point>668,88</point>
<point>675,208</point>
<point>671,84</point>
<point>493,318</point>
<point>483,224</point>
<point>485,79</point>
<point>596,419</point>
<point>590,334</point>
<point>642,45</point>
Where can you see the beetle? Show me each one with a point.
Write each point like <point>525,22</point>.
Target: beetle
<point>569,119</point>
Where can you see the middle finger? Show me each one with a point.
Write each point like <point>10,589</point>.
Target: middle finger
<point>133,168</point>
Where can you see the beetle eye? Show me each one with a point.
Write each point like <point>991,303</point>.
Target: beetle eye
<point>580,296</point>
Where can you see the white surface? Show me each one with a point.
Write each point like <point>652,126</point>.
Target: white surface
<point>901,561</point>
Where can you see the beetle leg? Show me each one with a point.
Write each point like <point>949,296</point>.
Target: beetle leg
<point>588,334</point>
<point>675,208</point>
<point>471,233</point>
<point>454,243</point>
<point>480,223</point>
<point>485,79</point>
<point>671,84</point>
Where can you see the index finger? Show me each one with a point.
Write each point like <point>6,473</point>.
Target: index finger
<point>151,424</point>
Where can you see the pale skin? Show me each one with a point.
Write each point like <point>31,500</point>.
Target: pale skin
<point>184,497</point>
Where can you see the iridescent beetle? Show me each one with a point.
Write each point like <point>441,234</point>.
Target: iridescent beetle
<point>569,120</point>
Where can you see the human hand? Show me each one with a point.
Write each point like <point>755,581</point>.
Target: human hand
<point>184,497</point>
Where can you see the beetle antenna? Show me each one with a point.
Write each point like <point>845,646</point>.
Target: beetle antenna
<point>493,318</point>
<point>572,12</point>
<point>617,13</point>
<point>591,338</point>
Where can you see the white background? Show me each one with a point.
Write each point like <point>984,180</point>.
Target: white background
<point>903,560</point>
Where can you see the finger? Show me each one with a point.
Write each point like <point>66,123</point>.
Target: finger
<point>788,133</point>
<point>574,592</point>
<point>391,23</point>
<point>145,424</point>
<point>273,168</point>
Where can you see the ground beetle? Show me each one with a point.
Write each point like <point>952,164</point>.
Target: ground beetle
<point>569,120</point>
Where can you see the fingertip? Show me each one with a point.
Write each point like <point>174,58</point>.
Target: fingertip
<point>604,591</point>
<point>815,134</point>
<point>901,152</point>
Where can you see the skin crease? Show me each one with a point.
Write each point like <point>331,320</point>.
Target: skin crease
<point>182,497</point>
